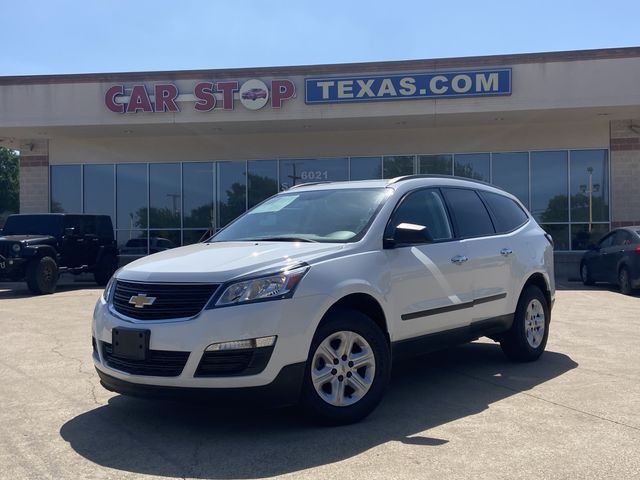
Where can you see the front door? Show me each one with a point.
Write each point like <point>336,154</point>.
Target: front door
<point>430,283</point>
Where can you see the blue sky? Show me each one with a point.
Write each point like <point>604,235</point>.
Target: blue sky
<point>47,37</point>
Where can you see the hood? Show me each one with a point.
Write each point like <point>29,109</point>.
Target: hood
<point>28,239</point>
<point>224,261</point>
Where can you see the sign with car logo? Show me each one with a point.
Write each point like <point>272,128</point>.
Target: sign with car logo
<point>141,300</point>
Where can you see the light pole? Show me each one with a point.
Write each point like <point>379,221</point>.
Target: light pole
<point>590,190</point>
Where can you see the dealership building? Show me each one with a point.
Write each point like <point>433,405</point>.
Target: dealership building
<point>173,155</point>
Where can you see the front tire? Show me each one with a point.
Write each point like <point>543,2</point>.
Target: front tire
<point>42,275</point>
<point>347,369</point>
<point>527,338</point>
<point>624,281</point>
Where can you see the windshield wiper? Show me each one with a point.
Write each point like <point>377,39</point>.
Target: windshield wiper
<point>282,239</point>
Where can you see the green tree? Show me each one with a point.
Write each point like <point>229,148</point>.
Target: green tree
<point>9,186</point>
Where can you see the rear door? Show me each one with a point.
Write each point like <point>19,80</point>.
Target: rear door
<point>430,284</point>
<point>489,265</point>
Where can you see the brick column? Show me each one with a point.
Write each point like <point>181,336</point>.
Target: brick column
<point>625,172</point>
<point>34,178</point>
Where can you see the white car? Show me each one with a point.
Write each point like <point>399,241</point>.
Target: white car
<point>308,297</point>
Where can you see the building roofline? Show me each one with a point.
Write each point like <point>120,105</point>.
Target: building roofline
<point>341,68</point>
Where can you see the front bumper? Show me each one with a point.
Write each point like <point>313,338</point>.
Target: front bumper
<point>283,391</point>
<point>287,319</point>
<point>12,266</point>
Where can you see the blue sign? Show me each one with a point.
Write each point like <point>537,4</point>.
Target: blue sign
<point>409,86</point>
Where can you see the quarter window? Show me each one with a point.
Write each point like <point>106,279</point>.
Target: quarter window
<point>469,213</point>
<point>507,214</point>
<point>425,207</point>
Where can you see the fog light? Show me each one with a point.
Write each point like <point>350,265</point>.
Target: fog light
<point>242,344</point>
<point>15,247</point>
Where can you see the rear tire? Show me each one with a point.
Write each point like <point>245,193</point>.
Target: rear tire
<point>105,269</point>
<point>527,338</point>
<point>347,369</point>
<point>624,281</point>
<point>585,275</point>
<point>42,275</point>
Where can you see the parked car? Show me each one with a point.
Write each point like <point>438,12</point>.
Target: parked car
<point>309,296</point>
<point>138,246</point>
<point>254,94</point>
<point>38,248</point>
<point>615,259</point>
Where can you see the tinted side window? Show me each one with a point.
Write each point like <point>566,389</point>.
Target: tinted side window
<point>607,241</point>
<point>623,238</point>
<point>105,229</point>
<point>424,207</point>
<point>88,224</point>
<point>469,213</point>
<point>507,214</point>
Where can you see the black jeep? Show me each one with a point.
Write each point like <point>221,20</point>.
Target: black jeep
<point>40,247</point>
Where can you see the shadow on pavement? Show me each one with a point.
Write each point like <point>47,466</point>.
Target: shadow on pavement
<point>183,439</point>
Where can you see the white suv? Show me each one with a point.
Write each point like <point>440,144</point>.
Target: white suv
<point>309,296</point>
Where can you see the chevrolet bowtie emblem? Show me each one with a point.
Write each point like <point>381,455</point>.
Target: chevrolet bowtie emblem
<point>141,300</point>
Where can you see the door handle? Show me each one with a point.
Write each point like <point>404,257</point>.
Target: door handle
<point>459,259</point>
<point>506,252</point>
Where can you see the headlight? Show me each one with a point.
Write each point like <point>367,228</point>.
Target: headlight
<point>272,287</point>
<point>106,295</point>
<point>15,247</point>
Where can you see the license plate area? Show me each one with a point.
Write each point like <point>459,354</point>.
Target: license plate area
<point>130,343</point>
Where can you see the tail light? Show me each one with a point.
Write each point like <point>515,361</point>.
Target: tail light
<point>637,250</point>
<point>550,239</point>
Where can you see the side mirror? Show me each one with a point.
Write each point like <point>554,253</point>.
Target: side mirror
<point>408,234</point>
<point>69,231</point>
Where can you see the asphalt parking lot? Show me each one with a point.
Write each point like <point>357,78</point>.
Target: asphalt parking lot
<point>463,413</point>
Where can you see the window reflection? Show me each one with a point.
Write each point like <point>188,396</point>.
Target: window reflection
<point>295,172</point>
<point>549,202</point>
<point>65,189</point>
<point>198,194</point>
<point>99,191</point>
<point>161,240</point>
<point>584,235</point>
<point>589,186</point>
<point>511,173</point>
<point>164,195</point>
<point>560,234</point>
<point>194,236</point>
<point>397,166</point>
<point>473,165</point>
<point>131,196</point>
<point>365,168</point>
<point>435,164</point>
<point>262,177</point>
<point>132,242</point>
<point>232,190</point>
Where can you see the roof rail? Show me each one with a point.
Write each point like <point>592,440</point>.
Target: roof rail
<point>454,177</point>
<point>308,183</point>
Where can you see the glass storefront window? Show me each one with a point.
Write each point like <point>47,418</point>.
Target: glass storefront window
<point>65,189</point>
<point>365,168</point>
<point>549,202</point>
<point>99,190</point>
<point>262,179</point>
<point>232,190</point>
<point>165,197</point>
<point>589,185</point>
<point>584,235</point>
<point>397,166</point>
<point>131,196</point>
<point>511,172</point>
<point>435,164</point>
<point>473,165</point>
<point>560,234</point>
<point>295,172</point>
<point>194,236</point>
<point>198,194</point>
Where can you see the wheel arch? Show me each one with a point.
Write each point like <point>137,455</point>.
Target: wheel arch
<point>539,280</point>
<point>365,304</point>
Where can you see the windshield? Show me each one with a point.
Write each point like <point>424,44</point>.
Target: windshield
<point>341,215</point>
<point>33,225</point>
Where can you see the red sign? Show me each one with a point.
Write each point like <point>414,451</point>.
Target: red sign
<point>206,96</point>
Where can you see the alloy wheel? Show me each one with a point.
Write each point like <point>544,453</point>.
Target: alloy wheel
<point>534,323</point>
